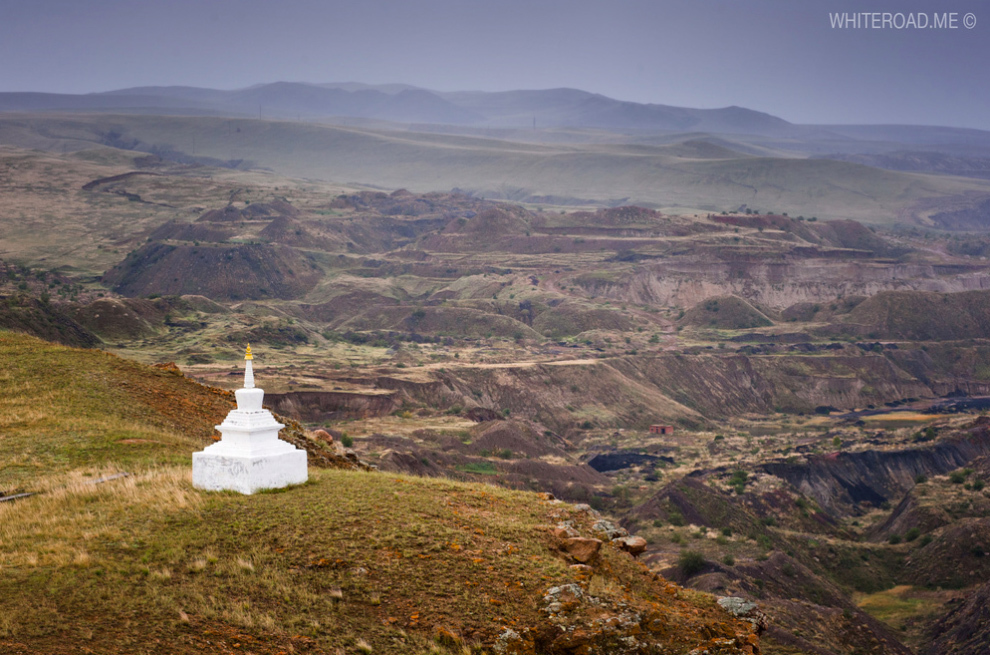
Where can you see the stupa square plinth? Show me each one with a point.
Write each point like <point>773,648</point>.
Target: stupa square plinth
<point>249,456</point>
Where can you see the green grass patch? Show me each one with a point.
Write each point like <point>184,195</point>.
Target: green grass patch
<point>480,468</point>
<point>893,606</point>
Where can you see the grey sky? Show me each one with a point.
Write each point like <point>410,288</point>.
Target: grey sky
<point>778,56</point>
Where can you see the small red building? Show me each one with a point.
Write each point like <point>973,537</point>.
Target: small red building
<point>661,429</point>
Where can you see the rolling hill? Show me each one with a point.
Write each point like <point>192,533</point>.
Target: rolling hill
<point>703,178</point>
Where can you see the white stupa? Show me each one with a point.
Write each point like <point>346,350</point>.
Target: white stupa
<point>249,456</point>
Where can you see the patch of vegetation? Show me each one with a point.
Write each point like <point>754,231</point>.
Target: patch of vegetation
<point>691,562</point>
<point>478,468</point>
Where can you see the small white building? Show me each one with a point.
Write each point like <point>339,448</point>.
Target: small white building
<point>249,456</point>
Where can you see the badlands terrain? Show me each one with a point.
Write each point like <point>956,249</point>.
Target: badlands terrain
<point>819,349</point>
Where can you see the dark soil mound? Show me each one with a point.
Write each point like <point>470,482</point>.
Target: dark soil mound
<point>516,437</point>
<point>813,311</point>
<point>240,272</point>
<point>727,313</point>
<point>569,319</point>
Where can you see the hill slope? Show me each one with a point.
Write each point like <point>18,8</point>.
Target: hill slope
<point>64,408</point>
<point>349,562</point>
<point>925,316</point>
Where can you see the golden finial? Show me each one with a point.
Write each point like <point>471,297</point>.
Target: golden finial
<point>248,354</point>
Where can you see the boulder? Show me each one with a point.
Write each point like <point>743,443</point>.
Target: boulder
<point>635,546</point>
<point>565,531</point>
<point>581,549</point>
<point>324,436</point>
<point>609,529</point>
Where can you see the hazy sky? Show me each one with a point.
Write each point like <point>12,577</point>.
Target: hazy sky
<point>778,56</point>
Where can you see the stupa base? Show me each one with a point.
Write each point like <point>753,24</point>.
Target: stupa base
<point>217,471</point>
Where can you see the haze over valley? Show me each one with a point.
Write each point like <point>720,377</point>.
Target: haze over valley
<point>693,361</point>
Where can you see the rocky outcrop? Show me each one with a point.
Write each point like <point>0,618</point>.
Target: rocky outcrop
<point>321,451</point>
<point>839,482</point>
<point>581,549</point>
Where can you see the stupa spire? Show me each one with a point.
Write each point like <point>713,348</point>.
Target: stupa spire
<point>248,370</point>
<point>249,456</point>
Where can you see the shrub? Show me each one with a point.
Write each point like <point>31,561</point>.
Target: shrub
<point>691,562</point>
<point>346,440</point>
<point>957,477</point>
<point>894,539</point>
<point>912,534</point>
<point>738,481</point>
<point>729,560</point>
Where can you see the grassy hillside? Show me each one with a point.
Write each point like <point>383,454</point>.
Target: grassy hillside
<point>351,562</point>
<point>21,313</point>
<point>711,179</point>
<point>64,408</point>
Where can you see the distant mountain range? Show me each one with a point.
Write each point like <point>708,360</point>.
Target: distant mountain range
<point>565,145</point>
<point>406,104</point>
